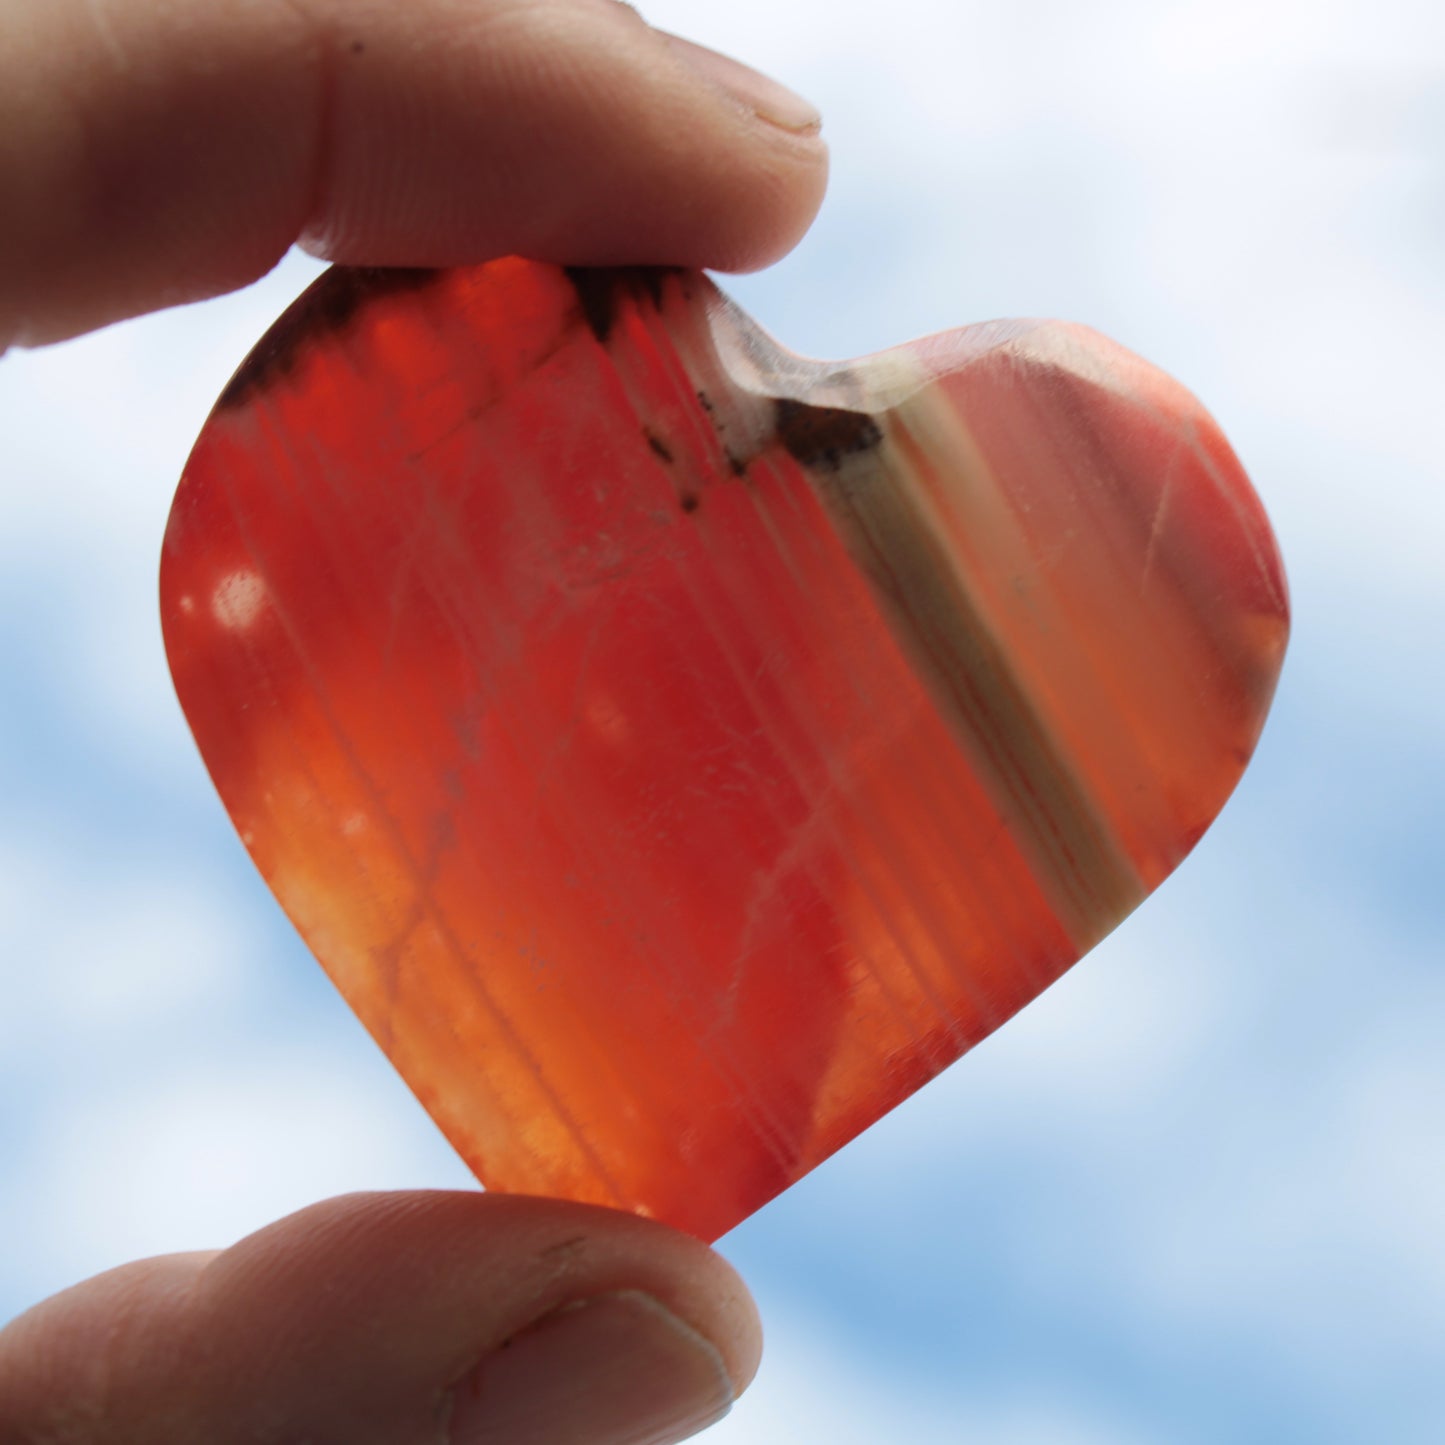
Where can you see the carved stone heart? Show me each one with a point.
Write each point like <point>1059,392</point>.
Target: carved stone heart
<point>678,751</point>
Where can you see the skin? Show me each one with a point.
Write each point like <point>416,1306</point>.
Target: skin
<point>155,153</point>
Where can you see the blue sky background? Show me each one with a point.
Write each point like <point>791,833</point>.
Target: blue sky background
<point>1197,1191</point>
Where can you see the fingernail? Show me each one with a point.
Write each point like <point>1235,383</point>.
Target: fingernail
<point>760,93</point>
<point>617,1369</point>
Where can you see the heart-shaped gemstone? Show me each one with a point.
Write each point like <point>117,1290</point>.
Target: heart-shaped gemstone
<point>678,751</point>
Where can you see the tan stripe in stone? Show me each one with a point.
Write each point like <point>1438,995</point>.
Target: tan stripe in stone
<point>885,523</point>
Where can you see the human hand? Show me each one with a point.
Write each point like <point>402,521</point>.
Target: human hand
<point>156,154</point>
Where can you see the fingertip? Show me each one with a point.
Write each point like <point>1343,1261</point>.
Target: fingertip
<point>376,1318</point>
<point>517,1252</point>
<point>394,1303</point>
<point>613,1369</point>
<point>565,131</point>
<point>758,94</point>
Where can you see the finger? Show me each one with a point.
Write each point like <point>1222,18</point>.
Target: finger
<point>153,154</point>
<point>407,1319</point>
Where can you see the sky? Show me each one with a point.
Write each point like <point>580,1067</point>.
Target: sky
<point>1193,1193</point>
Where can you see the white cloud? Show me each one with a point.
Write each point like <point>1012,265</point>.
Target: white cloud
<point>105,961</point>
<point>1317,1198</point>
<point>202,1153</point>
<point>812,1387</point>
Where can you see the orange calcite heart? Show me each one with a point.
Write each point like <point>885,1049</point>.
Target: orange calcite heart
<point>678,751</point>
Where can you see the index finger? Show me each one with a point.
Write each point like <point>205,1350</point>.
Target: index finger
<point>152,154</point>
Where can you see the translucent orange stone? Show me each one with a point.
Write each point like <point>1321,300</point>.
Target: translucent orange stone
<point>678,751</point>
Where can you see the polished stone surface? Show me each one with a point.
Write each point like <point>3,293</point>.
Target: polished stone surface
<point>678,751</point>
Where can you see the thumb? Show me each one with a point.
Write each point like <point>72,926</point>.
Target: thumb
<point>400,1319</point>
<point>152,154</point>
